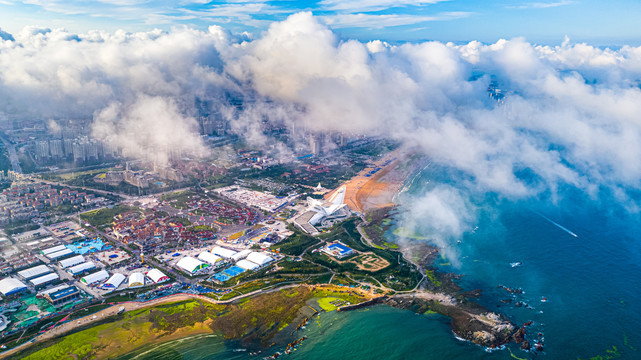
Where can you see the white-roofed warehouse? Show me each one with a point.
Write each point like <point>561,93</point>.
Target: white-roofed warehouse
<point>52,250</point>
<point>72,261</point>
<point>10,286</point>
<point>115,280</point>
<point>209,257</point>
<point>46,279</point>
<point>222,252</point>
<point>157,276</point>
<point>191,265</point>
<point>59,254</point>
<point>247,265</point>
<point>136,279</point>
<point>95,277</point>
<point>33,272</point>
<point>241,255</point>
<point>259,258</point>
<point>80,268</point>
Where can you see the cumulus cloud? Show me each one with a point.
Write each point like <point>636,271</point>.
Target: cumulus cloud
<point>569,115</point>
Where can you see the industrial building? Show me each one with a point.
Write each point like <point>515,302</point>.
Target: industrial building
<point>72,261</point>
<point>157,276</point>
<point>34,272</point>
<point>52,250</point>
<point>81,268</point>
<point>191,265</point>
<point>61,295</point>
<point>114,281</point>
<point>59,254</point>
<point>247,265</point>
<point>209,257</point>
<point>44,280</point>
<point>222,252</point>
<point>95,277</point>
<point>259,258</point>
<point>10,286</point>
<point>135,280</point>
<point>241,255</point>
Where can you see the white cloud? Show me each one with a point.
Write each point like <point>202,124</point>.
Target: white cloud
<point>372,5</point>
<point>570,115</point>
<point>388,20</point>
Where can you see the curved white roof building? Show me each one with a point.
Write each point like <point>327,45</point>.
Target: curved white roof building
<point>72,261</point>
<point>95,277</point>
<point>33,272</point>
<point>241,255</point>
<point>52,250</point>
<point>10,286</point>
<point>191,265</point>
<point>80,268</point>
<point>222,252</point>
<point>136,279</point>
<point>157,276</point>
<point>209,257</point>
<point>59,254</point>
<point>259,258</point>
<point>115,280</point>
<point>247,265</point>
<point>44,279</point>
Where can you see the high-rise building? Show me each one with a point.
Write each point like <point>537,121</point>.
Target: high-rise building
<point>42,150</point>
<point>316,143</point>
<point>68,147</point>
<point>56,149</point>
<point>79,152</point>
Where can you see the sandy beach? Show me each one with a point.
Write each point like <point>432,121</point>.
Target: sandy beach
<point>364,193</point>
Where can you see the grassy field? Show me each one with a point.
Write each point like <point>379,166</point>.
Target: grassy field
<point>252,322</point>
<point>104,216</point>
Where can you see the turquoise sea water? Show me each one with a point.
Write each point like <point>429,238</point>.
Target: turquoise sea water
<point>592,282</point>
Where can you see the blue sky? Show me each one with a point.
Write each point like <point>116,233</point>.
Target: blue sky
<point>600,22</point>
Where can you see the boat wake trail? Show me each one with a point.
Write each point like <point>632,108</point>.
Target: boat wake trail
<point>557,224</point>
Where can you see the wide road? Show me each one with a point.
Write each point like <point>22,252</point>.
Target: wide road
<point>13,156</point>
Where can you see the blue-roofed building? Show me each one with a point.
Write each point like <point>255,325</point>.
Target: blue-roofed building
<point>62,295</point>
<point>338,250</point>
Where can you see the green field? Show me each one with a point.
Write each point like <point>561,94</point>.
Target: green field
<point>104,216</point>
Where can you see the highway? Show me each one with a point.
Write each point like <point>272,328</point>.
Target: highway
<point>13,156</point>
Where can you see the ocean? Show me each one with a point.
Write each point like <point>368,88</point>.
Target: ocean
<point>581,253</point>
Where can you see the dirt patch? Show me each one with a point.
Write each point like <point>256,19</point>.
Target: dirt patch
<point>370,262</point>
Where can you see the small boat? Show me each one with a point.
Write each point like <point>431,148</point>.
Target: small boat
<point>515,264</point>
<point>544,299</point>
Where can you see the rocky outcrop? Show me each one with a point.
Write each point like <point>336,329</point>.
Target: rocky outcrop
<point>474,324</point>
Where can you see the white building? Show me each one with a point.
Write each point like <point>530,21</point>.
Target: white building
<point>209,257</point>
<point>136,279</point>
<point>157,276</point>
<point>222,252</point>
<point>41,280</point>
<point>33,272</point>
<point>241,255</point>
<point>115,280</point>
<point>80,268</point>
<point>259,258</point>
<point>95,277</point>
<point>53,249</point>
<point>319,211</point>
<point>10,286</point>
<point>247,265</point>
<point>191,265</point>
<point>59,254</point>
<point>72,261</point>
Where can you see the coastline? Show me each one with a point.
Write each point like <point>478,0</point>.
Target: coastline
<point>469,320</point>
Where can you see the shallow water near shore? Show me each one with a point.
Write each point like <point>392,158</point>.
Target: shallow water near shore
<point>585,259</point>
